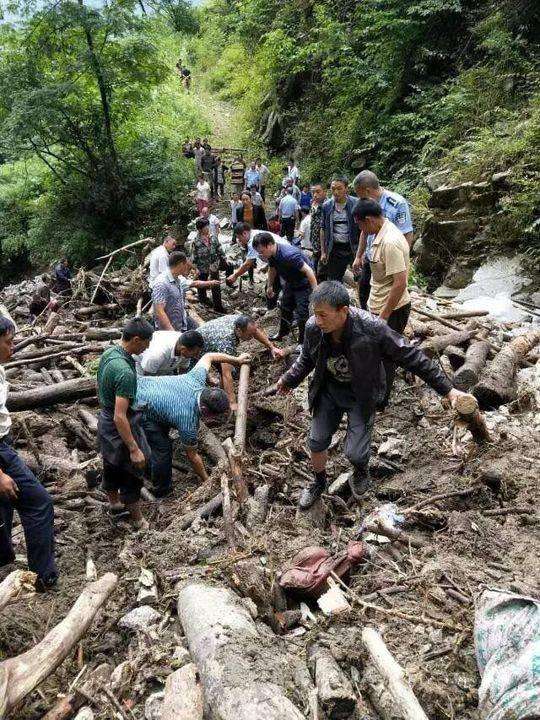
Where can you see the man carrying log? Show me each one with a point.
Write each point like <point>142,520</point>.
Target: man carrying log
<point>123,445</point>
<point>21,491</point>
<point>181,401</point>
<point>297,279</point>
<point>224,334</point>
<point>345,347</point>
<point>170,352</point>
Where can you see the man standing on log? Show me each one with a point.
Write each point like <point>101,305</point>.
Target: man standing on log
<point>389,298</point>
<point>159,259</point>
<point>21,491</point>
<point>339,239</point>
<point>123,445</point>
<point>345,347</point>
<point>168,294</point>
<point>297,280</point>
<point>224,334</point>
<point>180,401</point>
<point>395,208</point>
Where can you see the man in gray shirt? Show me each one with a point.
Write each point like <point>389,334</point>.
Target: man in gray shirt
<point>339,232</point>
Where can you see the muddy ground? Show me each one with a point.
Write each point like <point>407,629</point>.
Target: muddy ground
<point>463,549</point>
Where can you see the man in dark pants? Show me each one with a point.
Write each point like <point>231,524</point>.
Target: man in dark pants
<point>180,401</point>
<point>389,298</point>
<point>123,445</point>
<point>21,491</point>
<point>297,279</point>
<point>345,348</point>
<point>339,239</point>
<point>395,208</point>
<point>208,258</point>
<point>288,211</point>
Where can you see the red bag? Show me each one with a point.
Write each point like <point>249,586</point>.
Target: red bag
<point>309,569</point>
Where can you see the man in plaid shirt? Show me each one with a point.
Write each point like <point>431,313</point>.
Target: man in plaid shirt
<point>208,258</point>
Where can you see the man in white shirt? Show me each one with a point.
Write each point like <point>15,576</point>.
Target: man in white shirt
<point>21,491</point>
<point>264,174</point>
<point>244,235</point>
<point>159,259</point>
<point>213,221</point>
<point>168,352</point>
<point>292,171</point>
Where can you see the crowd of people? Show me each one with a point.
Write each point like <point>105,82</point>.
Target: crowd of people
<point>158,378</point>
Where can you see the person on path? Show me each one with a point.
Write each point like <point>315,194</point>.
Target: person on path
<point>344,347</point>
<point>254,215</point>
<point>198,152</point>
<point>292,171</point>
<point>202,194</point>
<point>264,175</point>
<point>181,402</point>
<point>208,164</point>
<point>208,258</point>
<point>288,211</point>
<point>159,259</point>
<point>238,168</point>
<point>297,280</point>
<point>251,176</point>
<point>318,191</point>
<point>220,171</point>
<point>170,352</point>
<point>395,208</point>
<point>168,294</point>
<point>235,204</point>
<point>224,334</point>
<point>213,222</point>
<point>256,197</point>
<point>123,445</point>
<point>244,235</point>
<point>304,230</point>
<point>339,239</point>
<point>306,198</point>
<point>21,491</point>
<point>389,298</point>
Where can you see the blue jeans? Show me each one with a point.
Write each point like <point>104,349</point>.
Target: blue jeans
<point>35,508</point>
<point>162,453</point>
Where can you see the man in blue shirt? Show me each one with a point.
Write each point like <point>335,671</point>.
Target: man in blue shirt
<point>288,210</point>
<point>252,176</point>
<point>297,280</point>
<point>395,208</point>
<point>339,231</point>
<point>180,401</point>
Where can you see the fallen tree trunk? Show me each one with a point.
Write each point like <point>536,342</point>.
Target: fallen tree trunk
<point>46,395</point>
<point>438,343</point>
<point>241,413</point>
<point>17,584</point>
<point>466,407</point>
<point>475,358</point>
<point>183,695</point>
<point>205,511</point>
<point>94,309</point>
<point>243,671</point>
<point>406,703</point>
<point>497,385</point>
<point>22,674</point>
<point>335,691</point>
<point>240,485</point>
<point>209,443</point>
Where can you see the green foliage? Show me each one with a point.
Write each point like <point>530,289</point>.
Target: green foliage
<point>91,103</point>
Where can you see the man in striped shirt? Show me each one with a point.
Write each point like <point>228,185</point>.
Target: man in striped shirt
<point>180,401</point>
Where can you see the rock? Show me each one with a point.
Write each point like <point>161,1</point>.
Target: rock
<point>446,293</point>
<point>121,677</point>
<point>391,448</point>
<point>333,602</point>
<point>340,484</point>
<point>140,618</point>
<point>445,196</point>
<point>436,179</point>
<point>180,657</point>
<point>500,180</point>
<point>153,706</point>
<point>458,276</point>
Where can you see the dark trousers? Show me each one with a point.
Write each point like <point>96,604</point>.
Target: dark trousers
<point>291,300</point>
<point>216,291</point>
<point>287,228</point>
<point>397,321</point>
<point>272,302</point>
<point>262,190</point>
<point>338,260</point>
<point>162,453</point>
<point>364,285</point>
<point>35,508</point>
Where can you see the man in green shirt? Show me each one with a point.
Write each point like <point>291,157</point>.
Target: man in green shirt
<point>123,445</point>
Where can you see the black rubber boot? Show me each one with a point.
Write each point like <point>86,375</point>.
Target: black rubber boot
<point>284,329</point>
<point>312,493</point>
<point>359,481</point>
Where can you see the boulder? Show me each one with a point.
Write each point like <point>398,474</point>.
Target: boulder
<point>458,276</point>
<point>447,196</point>
<point>140,618</point>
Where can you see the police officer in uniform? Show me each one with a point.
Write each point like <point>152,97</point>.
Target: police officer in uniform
<point>395,208</point>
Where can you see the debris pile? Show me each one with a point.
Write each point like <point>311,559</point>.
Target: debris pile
<point>195,617</point>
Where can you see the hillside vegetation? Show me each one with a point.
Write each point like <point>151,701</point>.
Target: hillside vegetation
<point>405,88</point>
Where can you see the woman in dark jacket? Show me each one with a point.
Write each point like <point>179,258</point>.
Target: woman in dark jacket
<point>252,214</point>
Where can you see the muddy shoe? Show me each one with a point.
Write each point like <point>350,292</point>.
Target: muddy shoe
<point>359,482</point>
<point>139,525</point>
<point>311,494</point>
